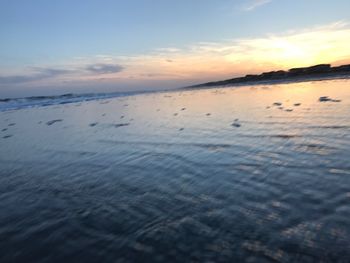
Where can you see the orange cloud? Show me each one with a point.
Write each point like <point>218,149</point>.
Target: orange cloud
<point>213,61</point>
<point>326,44</point>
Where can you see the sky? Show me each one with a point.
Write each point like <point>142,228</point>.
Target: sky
<point>56,47</point>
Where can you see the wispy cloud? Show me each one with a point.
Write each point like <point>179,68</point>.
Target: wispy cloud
<point>252,5</point>
<point>215,60</point>
<point>37,75</point>
<point>46,73</point>
<point>104,68</point>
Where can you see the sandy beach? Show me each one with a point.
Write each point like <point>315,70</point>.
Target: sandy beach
<point>254,174</point>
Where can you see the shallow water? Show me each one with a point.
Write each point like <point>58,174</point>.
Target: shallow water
<point>216,175</point>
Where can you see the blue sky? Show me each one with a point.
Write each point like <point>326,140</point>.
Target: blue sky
<point>51,46</point>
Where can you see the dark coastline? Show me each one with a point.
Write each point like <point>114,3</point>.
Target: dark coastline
<point>313,73</point>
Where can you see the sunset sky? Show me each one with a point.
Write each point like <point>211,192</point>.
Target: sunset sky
<point>55,47</point>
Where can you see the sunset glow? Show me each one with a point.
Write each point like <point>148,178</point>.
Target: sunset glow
<point>174,131</point>
<point>177,65</point>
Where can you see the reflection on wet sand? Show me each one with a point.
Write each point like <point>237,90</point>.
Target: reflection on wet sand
<point>244,174</point>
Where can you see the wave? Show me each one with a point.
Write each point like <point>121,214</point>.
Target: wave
<point>42,101</point>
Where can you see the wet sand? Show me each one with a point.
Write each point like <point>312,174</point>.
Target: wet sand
<point>249,174</point>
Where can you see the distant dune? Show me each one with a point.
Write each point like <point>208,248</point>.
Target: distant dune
<point>321,71</point>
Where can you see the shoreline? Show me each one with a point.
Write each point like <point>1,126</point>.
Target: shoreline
<point>44,101</point>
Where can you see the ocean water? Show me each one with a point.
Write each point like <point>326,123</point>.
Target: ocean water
<point>249,174</point>
<point>44,101</point>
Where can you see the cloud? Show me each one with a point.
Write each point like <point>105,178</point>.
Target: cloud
<point>37,75</point>
<point>255,4</point>
<point>321,44</point>
<point>215,60</point>
<point>104,68</point>
<point>199,62</point>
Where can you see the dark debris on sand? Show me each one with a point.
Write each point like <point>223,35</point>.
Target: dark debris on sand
<point>49,123</point>
<point>236,123</point>
<point>285,136</point>
<point>3,130</point>
<point>327,99</point>
<point>277,104</point>
<point>93,124</point>
<point>11,124</point>
<point>118,125</point>
<point>7,136</point>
